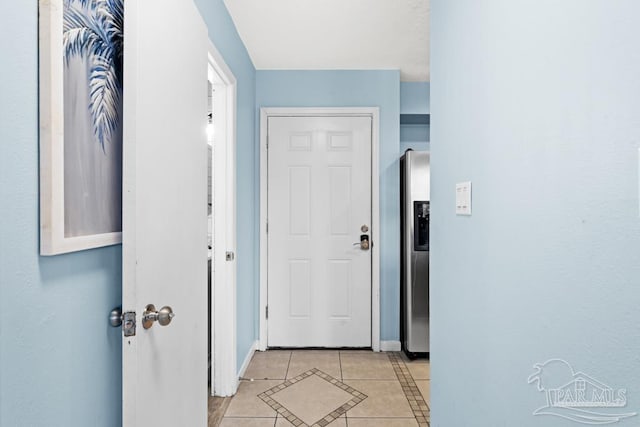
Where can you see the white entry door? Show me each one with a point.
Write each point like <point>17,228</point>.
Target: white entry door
<point>319,206</point>
<point>165,213</point>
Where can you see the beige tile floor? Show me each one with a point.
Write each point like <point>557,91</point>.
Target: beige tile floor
<point>342,388</point>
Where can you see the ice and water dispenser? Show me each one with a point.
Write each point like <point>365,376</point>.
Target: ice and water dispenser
<point>421,225</point>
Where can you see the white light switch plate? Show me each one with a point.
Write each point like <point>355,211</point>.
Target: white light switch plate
<point>463,198</point>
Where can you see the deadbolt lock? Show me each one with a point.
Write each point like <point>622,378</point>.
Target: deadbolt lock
<point>363,243</point>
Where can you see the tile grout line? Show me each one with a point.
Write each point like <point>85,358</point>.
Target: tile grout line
<point>417,403</point>
<point>346,416</point>
<point>286,374</point>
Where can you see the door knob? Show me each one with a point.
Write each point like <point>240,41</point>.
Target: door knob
<point>163,316</point>
<point>115,317</point>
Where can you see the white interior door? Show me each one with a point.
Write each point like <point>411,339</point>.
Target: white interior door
<point>165,212</point>
<point>319,205</point>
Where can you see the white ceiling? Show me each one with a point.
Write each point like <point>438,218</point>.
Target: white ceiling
<point>336,34</point>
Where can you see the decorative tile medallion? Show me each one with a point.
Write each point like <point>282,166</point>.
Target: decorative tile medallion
<point>348,399</point>
<point>416,400</point>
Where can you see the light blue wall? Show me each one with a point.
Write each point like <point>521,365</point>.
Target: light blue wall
<point>414,99</point>
<point>223,33</point>
<point>415,137</point>
<point>60,362</point>
<point>537,103</point>
<point>59,359</point>
<point>356,89</point>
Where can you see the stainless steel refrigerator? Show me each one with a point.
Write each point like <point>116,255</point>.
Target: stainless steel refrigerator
<point>414,210</point>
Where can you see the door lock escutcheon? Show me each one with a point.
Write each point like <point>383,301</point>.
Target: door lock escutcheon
<point>363,243</point>
<point>163,316</point>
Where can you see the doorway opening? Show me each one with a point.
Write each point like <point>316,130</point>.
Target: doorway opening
<point>221,134</point>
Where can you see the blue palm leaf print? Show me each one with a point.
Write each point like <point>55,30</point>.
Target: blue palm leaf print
<point>94,29</point>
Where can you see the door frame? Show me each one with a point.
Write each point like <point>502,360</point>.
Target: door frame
<point>374,114</point>
<point>224,371</point>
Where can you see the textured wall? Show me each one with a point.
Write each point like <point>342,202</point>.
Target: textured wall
<point>60,362</point>
<point>537,103</point>
<point>59,359</point>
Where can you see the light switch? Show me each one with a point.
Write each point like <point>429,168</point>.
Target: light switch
<point>463,198</point>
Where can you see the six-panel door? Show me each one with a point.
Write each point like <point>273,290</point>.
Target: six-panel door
<point>319,203</point>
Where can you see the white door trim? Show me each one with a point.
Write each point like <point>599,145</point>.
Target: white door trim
<point>374,113</point>
<point>223,330</point>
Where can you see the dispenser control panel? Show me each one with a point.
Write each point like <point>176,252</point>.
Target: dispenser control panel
<point>421,225</point>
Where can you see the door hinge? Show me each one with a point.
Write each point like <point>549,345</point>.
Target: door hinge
<point>266,309</point>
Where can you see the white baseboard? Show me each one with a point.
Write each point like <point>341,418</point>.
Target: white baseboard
<point>247,359</point>
<point>389,345</point>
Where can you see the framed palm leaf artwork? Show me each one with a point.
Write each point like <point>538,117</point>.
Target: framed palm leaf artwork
<point>80,49</point>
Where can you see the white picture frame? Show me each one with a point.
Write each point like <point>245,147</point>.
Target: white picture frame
<point>67,225</point>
